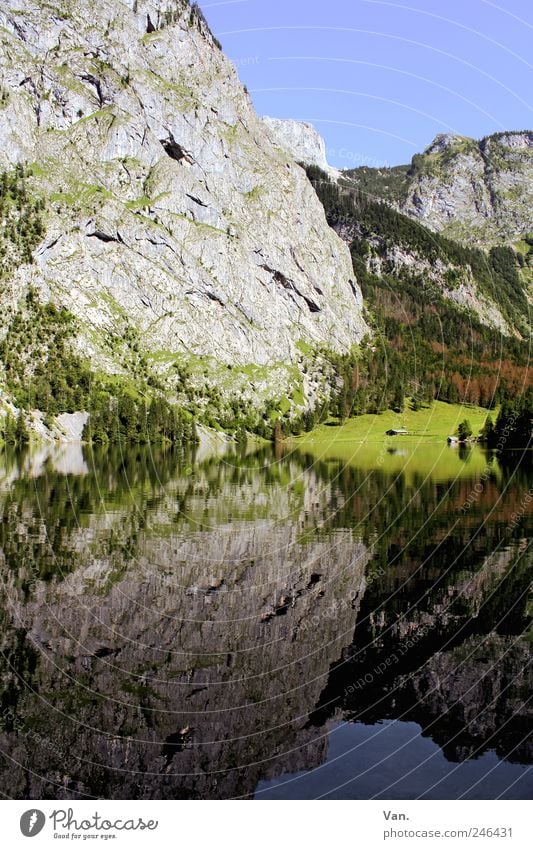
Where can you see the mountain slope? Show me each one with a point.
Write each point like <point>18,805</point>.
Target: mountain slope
<point>487,285</point>
<point>450,320</point>
<point>469,190</point>
<point>177,235</point>
<point>432,232</point>
<point>478,194</point>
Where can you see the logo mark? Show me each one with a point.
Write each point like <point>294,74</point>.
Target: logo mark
<point>32,822</point>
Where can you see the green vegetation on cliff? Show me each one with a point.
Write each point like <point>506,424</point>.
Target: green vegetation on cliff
<point>41,370</point>
<point>425,345</point>
<point>120,415</point>
<point>21,224</point>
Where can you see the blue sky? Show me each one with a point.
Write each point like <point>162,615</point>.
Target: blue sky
<point>381,78</point>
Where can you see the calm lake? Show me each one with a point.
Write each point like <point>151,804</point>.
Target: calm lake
<point>266,624</point>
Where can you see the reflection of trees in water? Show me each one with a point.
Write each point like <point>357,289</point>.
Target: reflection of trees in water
<point>455,659</point>
<point>396,517</point>
<point>440,587</point>
<point>110,575</point>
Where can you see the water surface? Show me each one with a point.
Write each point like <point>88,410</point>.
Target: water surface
<point>266,624</point>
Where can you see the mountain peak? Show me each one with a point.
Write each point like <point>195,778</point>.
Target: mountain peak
<point>445,140</point>
<point>302,141</point>
<point>518,139</point>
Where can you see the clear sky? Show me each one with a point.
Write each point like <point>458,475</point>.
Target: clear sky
<point>381,78</point>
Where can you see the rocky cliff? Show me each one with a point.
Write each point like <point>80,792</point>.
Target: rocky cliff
<point>302,141</point>
<point>473,191</point>
<point>172,220</point>
<point>480,191</point>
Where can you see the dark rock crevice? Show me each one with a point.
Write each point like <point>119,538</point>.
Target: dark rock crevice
<point>280,278</point>
<point>215,298</point>
<point>175,150</point>
<point>196,200</point>
<point>97,85</point>
<point>354,290</point>
<point>311,305</point>
<point>104,237</point>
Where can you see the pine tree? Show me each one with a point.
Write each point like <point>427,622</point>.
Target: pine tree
<point>488,432</point>
<point>464,431</point>
<point>9,429</point>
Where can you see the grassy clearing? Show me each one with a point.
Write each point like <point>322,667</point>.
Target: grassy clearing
<point>363,442</point>
<point>432,424</point>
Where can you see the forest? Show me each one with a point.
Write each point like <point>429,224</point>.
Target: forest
<point>423,346</point>
<point>429,348</point>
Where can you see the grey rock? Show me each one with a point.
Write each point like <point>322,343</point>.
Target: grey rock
<point>475,191</point>
<point>302,141</point>
<point>164,190</point>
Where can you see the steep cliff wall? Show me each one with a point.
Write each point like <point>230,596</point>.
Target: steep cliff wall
<point>171,215</point>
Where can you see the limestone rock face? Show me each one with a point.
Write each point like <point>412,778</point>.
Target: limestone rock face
<point>170,208</point>
<point>302,141</point>
<point>474,190</point>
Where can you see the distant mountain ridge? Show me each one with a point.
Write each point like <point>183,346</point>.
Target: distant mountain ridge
<point>478,192</point>
<point>473,191</point>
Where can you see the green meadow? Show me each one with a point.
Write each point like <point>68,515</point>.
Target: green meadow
<point>363,442</point>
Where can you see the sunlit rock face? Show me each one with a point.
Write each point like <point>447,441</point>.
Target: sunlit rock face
<point>474,190</point>
<point>170,208</point>
<point>302,141</point>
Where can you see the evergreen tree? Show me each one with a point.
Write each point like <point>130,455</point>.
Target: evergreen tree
<point>464,431</point>
<point>10,429</point>
<point>514,426</point>
<point>22,436</point>
<point>488,433</point>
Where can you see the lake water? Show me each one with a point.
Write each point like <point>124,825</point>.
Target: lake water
<point>266,624</point>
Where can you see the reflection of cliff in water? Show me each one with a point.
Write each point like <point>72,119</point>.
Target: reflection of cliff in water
<point>174,628</point>
<point>174,654</point>
<point>455,660</point>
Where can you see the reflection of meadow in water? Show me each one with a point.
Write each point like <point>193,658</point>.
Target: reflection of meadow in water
<point>192,626</point>
<point>407,457</point>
